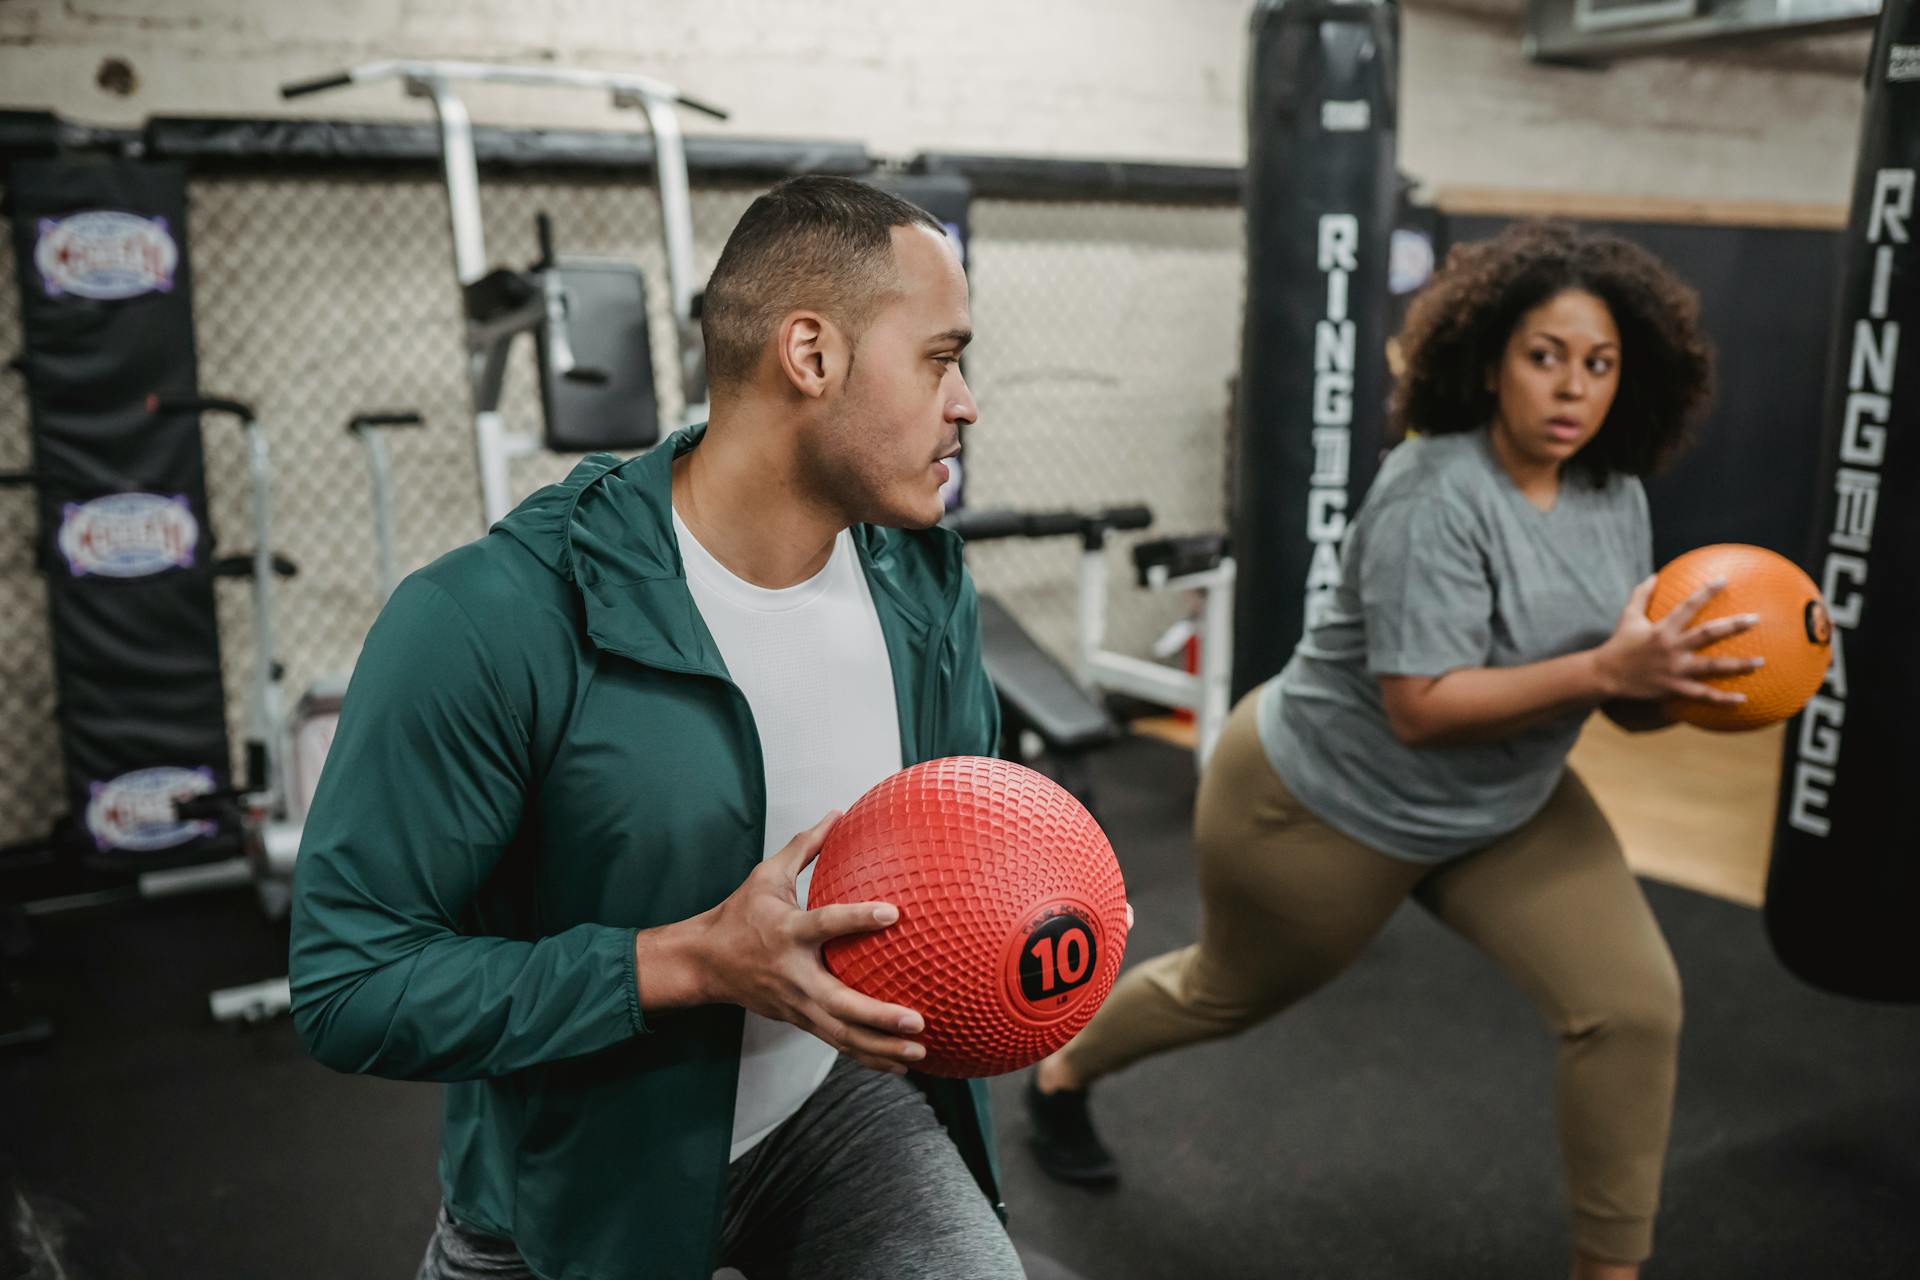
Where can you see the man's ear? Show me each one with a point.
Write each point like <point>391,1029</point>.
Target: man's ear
<point>811,352</point>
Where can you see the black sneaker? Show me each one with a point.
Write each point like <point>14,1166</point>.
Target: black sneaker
<point>1063,1140</point>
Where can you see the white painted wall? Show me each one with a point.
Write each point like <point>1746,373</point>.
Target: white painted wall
<point>1713,127</point>
<point>1146,79</point>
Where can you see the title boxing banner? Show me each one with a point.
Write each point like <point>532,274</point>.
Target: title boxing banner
<point>1321,192</point>
<point>1844,883</point>
<point>106,311</point>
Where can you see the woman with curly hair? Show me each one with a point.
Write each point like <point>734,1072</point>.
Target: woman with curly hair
<point>1493,593</point>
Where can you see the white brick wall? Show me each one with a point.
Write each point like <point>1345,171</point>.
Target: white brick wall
<point>1147,79</point>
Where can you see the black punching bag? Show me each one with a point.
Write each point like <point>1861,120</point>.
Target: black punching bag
<point>1843,892</point>
<point>1320,193</point>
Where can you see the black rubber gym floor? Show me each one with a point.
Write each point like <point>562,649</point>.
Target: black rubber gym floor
<point>1395,1125</point>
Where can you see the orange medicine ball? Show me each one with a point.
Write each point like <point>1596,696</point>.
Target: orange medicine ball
<point>1794,634</point>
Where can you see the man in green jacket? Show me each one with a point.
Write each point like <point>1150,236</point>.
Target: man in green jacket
<point>549,862</point>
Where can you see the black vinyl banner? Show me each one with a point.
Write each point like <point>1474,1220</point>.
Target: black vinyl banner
<point>1843,890</point>
<point>106,312</point>
<point>1321,195</point>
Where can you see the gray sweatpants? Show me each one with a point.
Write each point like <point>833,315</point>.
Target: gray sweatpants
<point>861,1182</point>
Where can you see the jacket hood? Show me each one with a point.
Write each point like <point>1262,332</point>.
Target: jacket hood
<point>608,530</point>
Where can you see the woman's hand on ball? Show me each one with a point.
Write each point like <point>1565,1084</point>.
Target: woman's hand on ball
<point>1644,658</point>
<point>763,953</point>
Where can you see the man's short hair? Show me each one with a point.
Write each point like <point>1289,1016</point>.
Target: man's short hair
<point>817,243</point>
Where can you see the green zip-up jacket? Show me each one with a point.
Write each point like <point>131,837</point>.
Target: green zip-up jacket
<point>541,752</point>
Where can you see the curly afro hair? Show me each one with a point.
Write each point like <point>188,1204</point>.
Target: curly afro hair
<point>1457,329</point>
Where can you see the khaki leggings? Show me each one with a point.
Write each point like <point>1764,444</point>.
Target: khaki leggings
<point>1290,902</point>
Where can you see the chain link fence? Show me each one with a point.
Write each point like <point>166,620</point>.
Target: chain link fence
<point>1107,332</point>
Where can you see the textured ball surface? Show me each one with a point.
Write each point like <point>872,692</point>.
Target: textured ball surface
<point>1794,633</point>
<point>1013,914</point>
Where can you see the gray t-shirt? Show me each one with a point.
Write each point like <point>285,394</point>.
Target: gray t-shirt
<point>1448,566</point>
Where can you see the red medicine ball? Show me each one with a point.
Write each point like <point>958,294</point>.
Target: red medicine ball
<point>1013,915</point>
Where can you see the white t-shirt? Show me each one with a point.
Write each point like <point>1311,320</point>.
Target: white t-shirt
<point>813,665</point>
